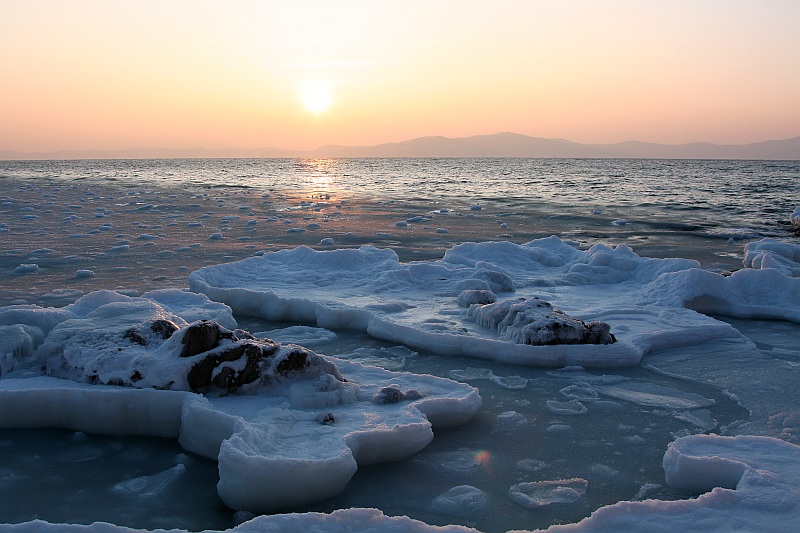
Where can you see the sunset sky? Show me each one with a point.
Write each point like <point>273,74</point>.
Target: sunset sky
<point>113,74</point>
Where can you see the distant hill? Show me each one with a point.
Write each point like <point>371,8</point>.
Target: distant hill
<point>516,145</point>
<point>497,145</point>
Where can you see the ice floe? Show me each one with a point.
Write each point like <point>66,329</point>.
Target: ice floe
<point>641,303</point>
<point>297,437</point>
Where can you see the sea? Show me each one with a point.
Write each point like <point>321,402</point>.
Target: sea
<point>137,225</point>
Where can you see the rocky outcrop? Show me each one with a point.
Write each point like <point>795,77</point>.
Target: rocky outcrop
<point>211,358</point>
<point>228,360</point>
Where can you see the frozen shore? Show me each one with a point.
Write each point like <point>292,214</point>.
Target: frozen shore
<point>66,242</point>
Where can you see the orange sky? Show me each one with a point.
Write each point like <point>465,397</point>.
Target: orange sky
<point>100,74</point>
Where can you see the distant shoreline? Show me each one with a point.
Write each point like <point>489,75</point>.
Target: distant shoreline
<point>499,145</point>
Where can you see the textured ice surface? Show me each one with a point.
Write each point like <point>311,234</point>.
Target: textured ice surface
<point>463,500</point>
<point>290,441</point>
<point>647,408</point>
<point>649,303</point>
<point>541,493</point>
<point>749,483</point>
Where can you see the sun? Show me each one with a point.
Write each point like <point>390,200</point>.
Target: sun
<point>316,96</point>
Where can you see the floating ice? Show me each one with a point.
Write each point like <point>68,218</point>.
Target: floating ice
<point>506,382</point>
<point>643,300</point>
<point>463,500</point>
<point>543,493</point>
<point>150,486</point>
<point>305,335</point>
<point>26,268</point>
<point>653,395</point>
<point>568,408</point>
<point>297,438</point>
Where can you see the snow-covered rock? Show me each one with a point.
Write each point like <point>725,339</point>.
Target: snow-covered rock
<point>297,436</point>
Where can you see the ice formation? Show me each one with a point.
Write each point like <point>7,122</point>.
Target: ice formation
<point>745,483</point>
<point>311,433</point>
<point>296,437</point>
<point>542,493</point>
<point>444,305</point>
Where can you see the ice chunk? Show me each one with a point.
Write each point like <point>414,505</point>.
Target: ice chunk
<point>770,253</point>
<point>463,500</point>
<point>150,486</point>
<point>581,391</point>
<point>534,321</point>
<point>471,373</point>
<point>569,408</point>
<point>305,335</point>
<point>509,382</point>
<point>468,297</point>
<point>26,268</point>
<point>654,395</point>
<point>543,493</point>
<point>16,342</point>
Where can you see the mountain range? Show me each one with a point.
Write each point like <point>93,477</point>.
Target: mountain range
<point>497,145</point>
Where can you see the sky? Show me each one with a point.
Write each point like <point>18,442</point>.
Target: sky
<point>116,74</point>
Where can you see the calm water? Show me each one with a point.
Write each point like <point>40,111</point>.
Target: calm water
<point>750,197</point>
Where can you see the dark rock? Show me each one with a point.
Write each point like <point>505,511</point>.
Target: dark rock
<point>294,361</point>
<point>412,395</point>
<point>135,336</point>
<point>326,418</point>
<point>248,355</point>
<point>160,329</point>
<point>389,394</point>
<point>393,394</point>
<point>298,362</point>
<point>163,328</point>
<point>201,337</point>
